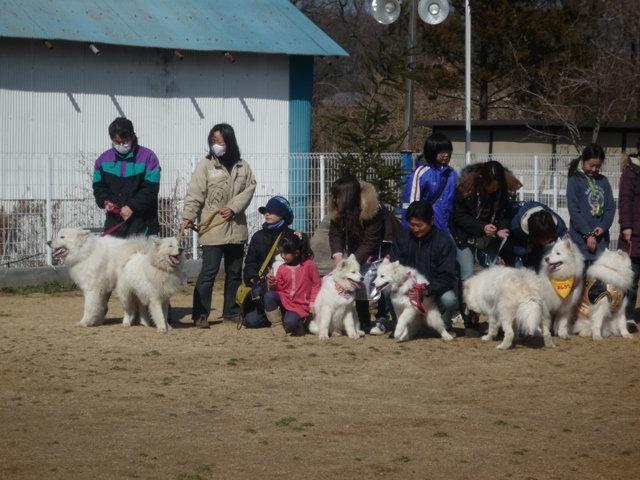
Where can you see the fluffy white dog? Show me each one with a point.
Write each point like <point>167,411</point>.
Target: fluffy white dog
<point>512,299</point>
<point>601,312</point>
<point>562,274</point>
<point>335,310</point>
<point>401,280</point>
<point>148,280</point>
<point>93,262</point>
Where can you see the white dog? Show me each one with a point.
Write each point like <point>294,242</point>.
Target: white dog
<point>562,274</point>
<point>335,310</point>
<point>93,263</point>
<point>148,279</point>
<point>512,299</point>
<point>601,312</point>
<point>401,280</point>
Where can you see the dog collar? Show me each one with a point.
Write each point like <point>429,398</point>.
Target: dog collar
<point>344,292</point>
<point>563,287</point>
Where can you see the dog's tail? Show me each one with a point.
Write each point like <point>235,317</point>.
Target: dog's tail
<point>529,316</point>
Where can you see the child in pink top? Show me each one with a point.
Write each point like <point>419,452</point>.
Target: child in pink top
<point>293,291</point>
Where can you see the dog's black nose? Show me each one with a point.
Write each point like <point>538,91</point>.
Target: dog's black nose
<point>180,250</point>
<point>49,243</point>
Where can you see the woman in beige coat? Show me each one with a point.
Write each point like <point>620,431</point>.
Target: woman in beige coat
<point>223,181</point>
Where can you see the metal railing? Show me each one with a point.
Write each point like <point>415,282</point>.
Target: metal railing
<point>40,194</point>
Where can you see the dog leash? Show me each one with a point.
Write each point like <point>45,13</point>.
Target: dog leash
<point>417,303</point>
<point>495,260</point>
<point>114,209</point>
<point>201,224</point>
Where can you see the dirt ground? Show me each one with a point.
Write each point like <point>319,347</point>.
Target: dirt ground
<point>115,403</point>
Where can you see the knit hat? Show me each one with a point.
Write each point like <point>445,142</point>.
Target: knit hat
<point>280,206</point>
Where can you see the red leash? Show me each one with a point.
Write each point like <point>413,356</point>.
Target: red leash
<point>418,303</point>
<point>112,207</point>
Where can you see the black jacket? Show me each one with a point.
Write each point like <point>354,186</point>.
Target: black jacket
<point>464,223</point>
<point>259,247</point>
<point>433,255</point>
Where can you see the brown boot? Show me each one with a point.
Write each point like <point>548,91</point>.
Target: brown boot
<point>277,326</point>
<point>202,322</point>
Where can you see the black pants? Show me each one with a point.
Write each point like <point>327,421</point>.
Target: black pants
<point>211,259</point>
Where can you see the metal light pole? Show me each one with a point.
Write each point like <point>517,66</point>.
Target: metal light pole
<point>467,80</point>
<point>408,111</point>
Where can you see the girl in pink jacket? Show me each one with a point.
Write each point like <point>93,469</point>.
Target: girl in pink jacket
<point>293,291</point>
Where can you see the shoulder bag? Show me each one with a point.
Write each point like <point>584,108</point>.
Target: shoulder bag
<point>244,289</point>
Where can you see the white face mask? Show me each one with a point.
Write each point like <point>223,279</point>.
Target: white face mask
<point>123,149</point>
<point>218,150</point>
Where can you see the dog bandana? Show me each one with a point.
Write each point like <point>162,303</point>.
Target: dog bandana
<point>596,290</point>
<point>563,287</point>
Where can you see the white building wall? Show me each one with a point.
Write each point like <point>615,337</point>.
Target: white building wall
<point>61,101</point>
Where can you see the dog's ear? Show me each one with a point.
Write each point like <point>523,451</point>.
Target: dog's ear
<point>84,233</point>
<point>156,241</point>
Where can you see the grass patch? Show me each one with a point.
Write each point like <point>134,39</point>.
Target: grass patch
<point>402,459</point>
<point>285,422</point>
<point>441,434</point>
<point>53,287</point>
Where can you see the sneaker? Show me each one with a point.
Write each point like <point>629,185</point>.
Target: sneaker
<point>298,331</point>
<point>632,326</point>
<point>381,327</point>
<point>451,332</point>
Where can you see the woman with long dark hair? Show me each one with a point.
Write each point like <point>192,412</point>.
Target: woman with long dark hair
<point>222,180</point>
<point>360,225</point>
<point>480,219</point>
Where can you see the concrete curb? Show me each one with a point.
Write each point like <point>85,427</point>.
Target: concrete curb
<point>24,277</point>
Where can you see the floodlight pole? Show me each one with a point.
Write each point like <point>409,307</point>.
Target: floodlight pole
<point>467,80</point>
<point>411,43</point>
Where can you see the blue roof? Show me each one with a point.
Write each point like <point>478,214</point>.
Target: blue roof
<point>264,26</point>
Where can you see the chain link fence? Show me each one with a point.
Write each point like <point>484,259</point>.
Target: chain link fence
<point>42,193</point>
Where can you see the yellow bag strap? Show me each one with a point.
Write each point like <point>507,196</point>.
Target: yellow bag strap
<point>268,259</point>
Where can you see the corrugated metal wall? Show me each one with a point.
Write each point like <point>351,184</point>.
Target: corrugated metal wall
<point>62,101</point>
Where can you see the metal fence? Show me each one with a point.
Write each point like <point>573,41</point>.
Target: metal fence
<point>42,193</point>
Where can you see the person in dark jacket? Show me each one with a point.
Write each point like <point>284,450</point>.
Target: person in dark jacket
<point>533,227</point>
<point>432,252</point>
<point>629,218</point>
<point>278,216</point>
<point>363,227</point>
<point>480,222</point>
<point>126,182</point>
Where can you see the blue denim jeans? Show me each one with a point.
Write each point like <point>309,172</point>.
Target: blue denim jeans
<point>291,319</point>
<point>211,259</point>
<point>447,303</point>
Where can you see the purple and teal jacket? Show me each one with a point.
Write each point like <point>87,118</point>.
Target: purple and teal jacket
<point>131,180</point>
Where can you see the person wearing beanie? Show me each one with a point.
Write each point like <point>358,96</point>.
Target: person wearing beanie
<point>278,217</point>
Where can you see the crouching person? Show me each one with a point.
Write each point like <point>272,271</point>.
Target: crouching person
<point>433,253</point>
<point>293,290</point>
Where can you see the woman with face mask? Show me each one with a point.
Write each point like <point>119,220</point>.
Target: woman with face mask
<point>222,181</point>
<point>126,182</point>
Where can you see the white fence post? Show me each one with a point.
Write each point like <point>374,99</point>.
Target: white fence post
<point>555,190</point>
<point>323,198</point>
<point>521,191</point>
<point>194,234</point>
<point>536,194</point>
<point>49,209</point>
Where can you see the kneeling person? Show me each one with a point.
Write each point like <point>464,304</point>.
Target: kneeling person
<point>432,252</point>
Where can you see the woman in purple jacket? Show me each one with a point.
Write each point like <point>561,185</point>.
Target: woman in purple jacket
<point>629,218</point>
